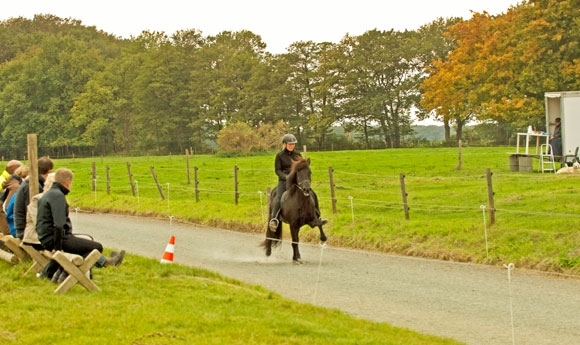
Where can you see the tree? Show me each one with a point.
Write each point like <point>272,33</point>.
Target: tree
<point>435,45</point>
<point>242,139</point>
<point>104,113</point>
<point>451,90</point>
<point>535,56</point>
<point>503,65</point>
<point>223,86</point>
<point>315,82</point>
<point>48,80</point>
<point>382,74</point>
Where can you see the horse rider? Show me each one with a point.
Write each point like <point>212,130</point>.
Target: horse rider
<point>282,165</point>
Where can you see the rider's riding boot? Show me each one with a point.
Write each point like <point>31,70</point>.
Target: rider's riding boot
<point>273,223</point>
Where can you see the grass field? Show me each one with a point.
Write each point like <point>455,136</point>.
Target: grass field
<point>145,302</point>
<point>535,213</point>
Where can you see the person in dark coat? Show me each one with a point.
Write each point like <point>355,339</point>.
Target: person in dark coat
<point>54,227</point>
<point>556,139</point>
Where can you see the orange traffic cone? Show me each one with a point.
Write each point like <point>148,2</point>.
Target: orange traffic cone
<point>168,254</point>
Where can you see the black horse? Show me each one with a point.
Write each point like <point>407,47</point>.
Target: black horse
<point>297,208</point>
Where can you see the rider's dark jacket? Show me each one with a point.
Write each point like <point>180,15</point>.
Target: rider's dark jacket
<point>283,163</point>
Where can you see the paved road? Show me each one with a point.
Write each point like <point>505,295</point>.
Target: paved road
<point>476,304</point>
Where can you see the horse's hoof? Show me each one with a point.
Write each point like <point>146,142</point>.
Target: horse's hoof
<point>268,251</point>
<point>297,261</point>
<point>322,238</point>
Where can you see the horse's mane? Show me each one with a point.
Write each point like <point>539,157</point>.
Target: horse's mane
<point>297,165</point>
<point>300,163</point>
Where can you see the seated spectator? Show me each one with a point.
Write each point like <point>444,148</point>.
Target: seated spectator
<point>45,166</point>
<point>54,227</point>
<point>10,169</point>
<point>11,185</point>
<point>30,234</point>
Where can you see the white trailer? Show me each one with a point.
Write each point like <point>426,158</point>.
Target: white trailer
<point>566,106</point>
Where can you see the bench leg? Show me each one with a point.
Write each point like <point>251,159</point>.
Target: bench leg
<point>39,261</point>
<point>77,274</point>
<point>14,245</point>
<point>8,257</point>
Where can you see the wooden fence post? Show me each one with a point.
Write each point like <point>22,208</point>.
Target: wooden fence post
<point>108,176</point>
<point>236,183</point>
<point>94,174</point>
<point>131,179</point>
<point>332,192</point>
<point>490,194</point>
<point>159,188</point>
<point>196,182</point>
<point>404,195</point>
<point>34,185</point>
<point>187,165</point>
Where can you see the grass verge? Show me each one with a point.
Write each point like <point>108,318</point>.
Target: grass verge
<point>146,302</point>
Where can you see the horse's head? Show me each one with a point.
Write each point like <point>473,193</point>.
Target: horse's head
<point>301,174</point>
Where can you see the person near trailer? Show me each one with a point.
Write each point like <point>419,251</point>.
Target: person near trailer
<point>556,139</point>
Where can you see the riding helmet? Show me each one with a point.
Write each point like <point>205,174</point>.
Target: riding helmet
<point>289,139</point>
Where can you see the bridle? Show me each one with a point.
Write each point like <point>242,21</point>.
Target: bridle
<point>303,185</point>
<point>305,191</point>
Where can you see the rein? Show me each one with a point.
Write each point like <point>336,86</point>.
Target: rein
<point>301,189</point>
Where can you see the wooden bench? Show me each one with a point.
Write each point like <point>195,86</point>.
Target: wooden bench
<point>39,260</point>
<point>78,269</point>
<point>15,253</point>
<point>8,256</point>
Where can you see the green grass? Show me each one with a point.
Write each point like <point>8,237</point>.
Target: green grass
<point>145,302</point>
<point>535,219</point>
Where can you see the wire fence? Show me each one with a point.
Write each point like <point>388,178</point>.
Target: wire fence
<point>359,195</point>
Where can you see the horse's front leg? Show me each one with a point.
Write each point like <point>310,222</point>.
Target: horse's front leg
<point>322,234</point>
<point>294,230</point>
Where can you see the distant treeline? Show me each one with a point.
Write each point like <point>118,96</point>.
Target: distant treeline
<point>84,91</point>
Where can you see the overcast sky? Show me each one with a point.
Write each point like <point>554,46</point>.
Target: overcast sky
<point>278,23</point>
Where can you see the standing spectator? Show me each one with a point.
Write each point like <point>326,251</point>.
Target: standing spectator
<point>45,166</point>
<point>556,139</point>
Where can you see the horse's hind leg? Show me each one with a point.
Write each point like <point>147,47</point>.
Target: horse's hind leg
<point>268,246</point>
